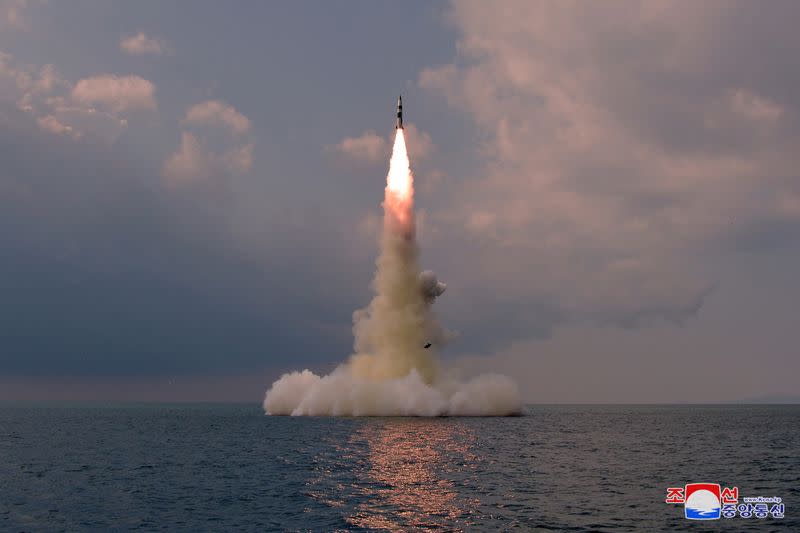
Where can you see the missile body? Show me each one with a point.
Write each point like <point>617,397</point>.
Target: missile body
<point>399,122</point>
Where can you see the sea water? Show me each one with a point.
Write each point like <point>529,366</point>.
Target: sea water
<point>231,468</point>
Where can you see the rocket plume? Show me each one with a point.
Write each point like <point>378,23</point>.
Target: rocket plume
<point>392,373</point>
<point>400,181</point>
<point>391,332</point>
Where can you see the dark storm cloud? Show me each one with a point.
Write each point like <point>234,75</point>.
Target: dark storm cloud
<point>105,271</point>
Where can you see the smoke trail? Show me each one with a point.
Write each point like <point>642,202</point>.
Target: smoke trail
<point>391,371</point>
<point>389,334</point>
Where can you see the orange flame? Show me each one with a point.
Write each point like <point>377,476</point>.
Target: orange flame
<point>399,198</point>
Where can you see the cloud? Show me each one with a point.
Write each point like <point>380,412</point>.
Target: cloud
<point>240,159</point>
<point>87,121</point>
<point>216,113</point>
<point>195,161</point>
<point>190,161</point>
<point>140,44</point>
<point>420,145</point>
<point>199,158</point>
<point>371,148</point>
<point>116,93</point>
<point>11,14</point>
<point>43,93</point>
<point>95,244</point>
<point>17,81</point>
<point>368,147</point>
<point>616,146</point>
<point>753,106</point>
<point>51,124</point>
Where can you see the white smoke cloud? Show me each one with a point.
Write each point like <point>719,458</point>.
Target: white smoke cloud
<point>342,393</point>
<point>394,370</point>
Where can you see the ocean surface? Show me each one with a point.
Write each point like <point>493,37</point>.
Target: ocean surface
<point>231,468</point>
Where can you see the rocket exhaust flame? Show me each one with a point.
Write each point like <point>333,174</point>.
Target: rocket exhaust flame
<point>400,181</point>
<point>398,202</point>
<point>394,371</point>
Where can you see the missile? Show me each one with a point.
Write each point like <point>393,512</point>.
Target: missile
<point>399,123</point>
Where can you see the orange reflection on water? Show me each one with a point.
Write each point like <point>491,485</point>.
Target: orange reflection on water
<point>404,487</point>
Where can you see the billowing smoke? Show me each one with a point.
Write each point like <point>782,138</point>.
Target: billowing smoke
<point>394,370</point>
<point>431,287</point>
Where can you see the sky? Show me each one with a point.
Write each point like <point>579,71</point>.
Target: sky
<point>190,199</point>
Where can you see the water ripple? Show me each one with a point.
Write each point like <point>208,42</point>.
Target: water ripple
<point>215,468</point>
